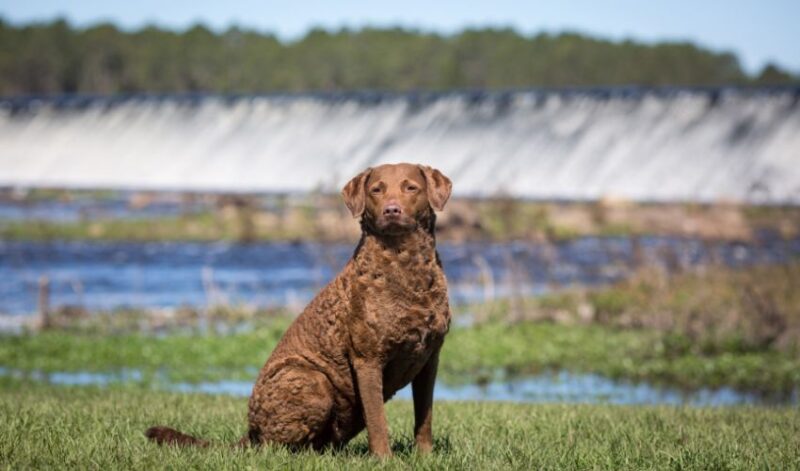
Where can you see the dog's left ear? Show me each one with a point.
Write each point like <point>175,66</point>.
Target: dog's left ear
<point>439,187</point>
<point>355,193</point>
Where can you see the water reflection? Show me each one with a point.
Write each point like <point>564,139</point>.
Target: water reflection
<point>559,387</point>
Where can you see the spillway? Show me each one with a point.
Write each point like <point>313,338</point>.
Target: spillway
<point>697,145</point>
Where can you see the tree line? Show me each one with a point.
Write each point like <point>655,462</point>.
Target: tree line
<point>52,58</point>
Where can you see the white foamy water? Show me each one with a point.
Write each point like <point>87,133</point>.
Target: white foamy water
<point>678,145</point>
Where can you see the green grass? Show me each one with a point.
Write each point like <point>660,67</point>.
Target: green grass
<point>191,227</point>
<point>86,428</point>
<point>486,351</point>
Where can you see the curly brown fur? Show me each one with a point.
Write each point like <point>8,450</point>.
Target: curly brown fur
<point>170,436</point>
<point>376,327</point>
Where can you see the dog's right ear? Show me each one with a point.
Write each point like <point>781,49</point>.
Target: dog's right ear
<point>355,193</point>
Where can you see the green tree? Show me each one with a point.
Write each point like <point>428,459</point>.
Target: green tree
<point>57,58</point>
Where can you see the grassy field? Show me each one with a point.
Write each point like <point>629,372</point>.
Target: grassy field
<point>710,328</point>
<point>86,428</point>
<point>703,329</point>
<point>494,350</point>
<point>705,311</point>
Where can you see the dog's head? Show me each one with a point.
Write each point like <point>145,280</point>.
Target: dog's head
<point>394,198</point>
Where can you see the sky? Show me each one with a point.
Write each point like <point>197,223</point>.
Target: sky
<point>757,31</point>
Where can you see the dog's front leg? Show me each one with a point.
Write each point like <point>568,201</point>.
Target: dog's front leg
<point>369,375</point>
<point>422,389</point>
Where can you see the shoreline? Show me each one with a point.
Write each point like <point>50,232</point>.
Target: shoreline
<point>62,215</point>
<point>702,328</point>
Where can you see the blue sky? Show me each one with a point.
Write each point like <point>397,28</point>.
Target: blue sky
<point>757,31</point>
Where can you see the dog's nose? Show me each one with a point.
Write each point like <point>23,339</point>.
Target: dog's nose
<point>392,210</point>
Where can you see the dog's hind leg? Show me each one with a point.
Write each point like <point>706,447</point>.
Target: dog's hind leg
<point>293,408</point>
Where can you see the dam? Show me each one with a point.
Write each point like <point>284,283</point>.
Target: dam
<point>648,145</point>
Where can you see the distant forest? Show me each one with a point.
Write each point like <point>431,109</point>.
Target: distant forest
<point>58,58</point>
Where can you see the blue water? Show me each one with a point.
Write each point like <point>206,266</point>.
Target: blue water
<point>109,275</point>
<point>92,209</point>
<point>560,387</point>
<point>556,387</point>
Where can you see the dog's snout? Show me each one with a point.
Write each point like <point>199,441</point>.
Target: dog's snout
<point>392,210</point>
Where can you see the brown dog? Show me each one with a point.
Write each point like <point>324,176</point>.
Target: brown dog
<point>376,327</point>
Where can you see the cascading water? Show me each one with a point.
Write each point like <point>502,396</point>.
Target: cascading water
<point>700,145</point>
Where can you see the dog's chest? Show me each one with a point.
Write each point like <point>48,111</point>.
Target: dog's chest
<point>405,301</point>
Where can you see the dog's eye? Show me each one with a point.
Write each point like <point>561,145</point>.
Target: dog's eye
<point>411,188</point>
<point>375,190</point>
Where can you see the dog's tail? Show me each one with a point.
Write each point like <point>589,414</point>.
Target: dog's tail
<point>169,436</point>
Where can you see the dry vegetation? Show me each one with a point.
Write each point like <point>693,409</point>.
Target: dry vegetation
<point>323,217</point>
<point>707,310</point>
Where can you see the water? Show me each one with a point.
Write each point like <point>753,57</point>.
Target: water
<point>558,387</point>
<point>640,144</point>
<point>118,207</point>
<point>109,275</point>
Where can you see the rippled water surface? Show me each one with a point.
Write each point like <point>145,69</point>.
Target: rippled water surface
<point>108,275</point>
